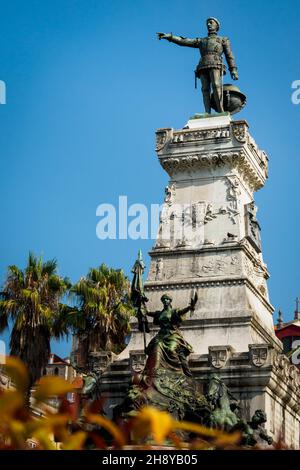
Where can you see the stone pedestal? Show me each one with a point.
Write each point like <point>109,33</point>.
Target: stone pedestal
<point>209,242</point>
<point>209,237</point>
<point>259,378</point>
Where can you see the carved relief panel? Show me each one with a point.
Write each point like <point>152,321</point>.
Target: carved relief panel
<point>167,268</point>
<point>257,273</point>
<point>252,227</point>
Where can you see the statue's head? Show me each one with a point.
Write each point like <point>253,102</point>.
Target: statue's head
<point>213,25</point>
<point>259,417</point>
<point>166,300</point>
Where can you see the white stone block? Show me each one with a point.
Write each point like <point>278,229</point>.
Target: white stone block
<point>208,122</point>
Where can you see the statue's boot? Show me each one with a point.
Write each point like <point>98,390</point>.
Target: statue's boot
<point>206,101</point>
<point>218,96</point>
<point>205,85</point>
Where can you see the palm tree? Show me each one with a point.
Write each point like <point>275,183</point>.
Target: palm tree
<point>101,319</point>
<point>31,299</point>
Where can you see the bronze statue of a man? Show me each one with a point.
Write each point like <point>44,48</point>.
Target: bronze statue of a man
<point>210,69</point>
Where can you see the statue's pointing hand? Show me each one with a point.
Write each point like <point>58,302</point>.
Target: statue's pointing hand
<point>194,300</point>
<point>163,35</point>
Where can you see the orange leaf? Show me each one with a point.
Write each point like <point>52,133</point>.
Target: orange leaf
<point>52,386</point>
<point>75,441</point>
<point>155,422</point>
<point>109,426</point>
<point>49,421</point>
<point>43,436</point>
<point>10,402</point>
<point>18,372</point>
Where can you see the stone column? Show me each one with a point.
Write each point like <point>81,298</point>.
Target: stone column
<point>209,241</point>
<point>214,247</point>
<point>209,236</point>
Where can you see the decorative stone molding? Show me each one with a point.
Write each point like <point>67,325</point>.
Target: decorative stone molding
<point>170,194</point>
<point>198,160</point>
<point>256,265</point>
<point>239,160</point>
<point>257,274</point>
<point>137,360</point>
<point>281,362</point>
<point>219,356</point>
<point>254,270</point>
<point>259,354</point>
<point>240,131</point>
<point>154,286</point>
<point>162,137</point>
<point>287,372</point>
<point>261,155</point>
<point>200,135</point>
<point>242,136</point>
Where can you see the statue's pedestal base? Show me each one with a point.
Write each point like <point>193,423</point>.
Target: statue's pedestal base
<point>259,379</point>
<point>209,242</point>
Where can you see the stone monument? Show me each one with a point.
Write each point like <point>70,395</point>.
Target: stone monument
<point>209,243</point>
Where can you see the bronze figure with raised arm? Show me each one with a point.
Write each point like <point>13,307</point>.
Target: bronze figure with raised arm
<point>168,350</point>
<point>210,69</point>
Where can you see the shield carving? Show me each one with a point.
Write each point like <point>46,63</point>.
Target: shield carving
<point>219,356</point>
<point>137,361</point>
<point>259,354</point>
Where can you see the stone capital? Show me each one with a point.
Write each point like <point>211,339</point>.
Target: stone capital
<point>212,147</point>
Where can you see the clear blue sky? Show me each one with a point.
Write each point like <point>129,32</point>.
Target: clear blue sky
<point>87,85</point>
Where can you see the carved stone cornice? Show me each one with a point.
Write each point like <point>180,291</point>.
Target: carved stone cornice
<point>286,381</point>
<point>172,285</point>
<point>186,150</point>
<point>167,137</point>
<point>240,130</point>
<point>235,159</point>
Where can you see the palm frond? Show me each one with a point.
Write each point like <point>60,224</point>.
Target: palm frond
<point>49,267</point>
<point>31,298</point>
<point>104,308</point>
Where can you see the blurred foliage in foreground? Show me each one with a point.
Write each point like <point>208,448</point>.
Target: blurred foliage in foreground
<point>148,428</point>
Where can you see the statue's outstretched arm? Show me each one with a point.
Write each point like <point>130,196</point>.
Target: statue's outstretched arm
<point>190,307</point>
<point>181,41</point>
<point>183,311</point>
<point>150,314</point>
<point>265,436</point>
